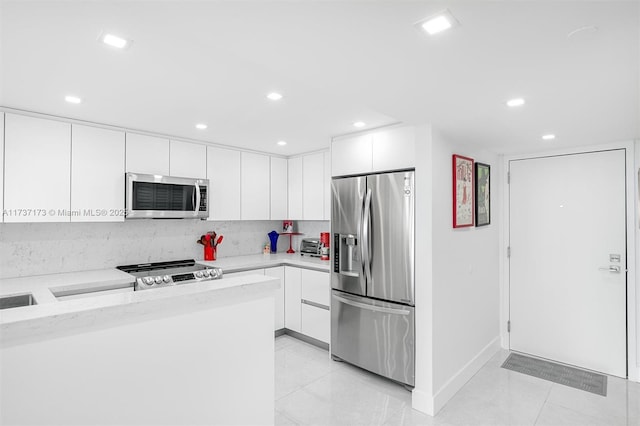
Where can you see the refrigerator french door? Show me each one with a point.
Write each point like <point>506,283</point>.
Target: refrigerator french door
<point>372,279</point>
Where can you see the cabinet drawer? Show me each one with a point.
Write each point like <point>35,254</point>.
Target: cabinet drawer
<point>316,287</point>
<point>316,323</point>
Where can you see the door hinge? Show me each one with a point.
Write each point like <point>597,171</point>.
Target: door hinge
<point>509,326</point>
<point>509,252</point>
<point>508,178</point>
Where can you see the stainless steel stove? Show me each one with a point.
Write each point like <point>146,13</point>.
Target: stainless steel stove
<point>166,274</point>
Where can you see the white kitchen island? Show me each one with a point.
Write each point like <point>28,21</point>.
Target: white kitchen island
<point>201,353</point>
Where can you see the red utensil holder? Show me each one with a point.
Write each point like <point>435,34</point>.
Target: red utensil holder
<point>209,253</point>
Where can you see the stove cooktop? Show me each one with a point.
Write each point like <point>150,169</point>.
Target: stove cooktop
<point>166,274</point>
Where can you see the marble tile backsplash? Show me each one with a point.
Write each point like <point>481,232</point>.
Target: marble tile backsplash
<point>46,248</point>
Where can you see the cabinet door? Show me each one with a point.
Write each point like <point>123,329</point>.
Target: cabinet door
<point>223,172</point>
<point>316,287</point>
<point>187,159</point>
<point>351,156</point>
<point>147,154</point>
<point>394,149</point>
<point>278,272</point>
<point>313,186</point>
<point>327,186</point>
<point>278,188</point>
<point>97,174</point>
<point>316,323</point>
<point>2,164</point>
<point>37,170</point>
<point>292,297</point>
<point>254,191</point>
<point>294,180</point>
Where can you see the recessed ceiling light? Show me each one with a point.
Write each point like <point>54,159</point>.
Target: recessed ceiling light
<point>73,99</point>
<point>274,96</point>
<point>201,126</point>
<point>437,23</point>
<point>548,137</point>
<point>359,124</point>
<point>115,41</point>
<point>282,143</point>
<point>515,102</point>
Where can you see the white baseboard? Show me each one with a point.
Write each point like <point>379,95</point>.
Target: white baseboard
<point>422,401</point>
<point>634,374</point>
<point>455,383</point>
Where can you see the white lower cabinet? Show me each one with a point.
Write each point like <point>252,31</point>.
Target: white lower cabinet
<point>316,322</point>
<point>292,297</point>
<point>315,299</point>
<point>278,272</point>
<point>302,302</point>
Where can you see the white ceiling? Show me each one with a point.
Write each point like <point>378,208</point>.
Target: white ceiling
<point>335,62</point>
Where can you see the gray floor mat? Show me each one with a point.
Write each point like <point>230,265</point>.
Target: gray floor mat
<point>557,373</point>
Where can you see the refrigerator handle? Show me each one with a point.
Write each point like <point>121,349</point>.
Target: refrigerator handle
<point>366,216</point>
<point>372,307</point>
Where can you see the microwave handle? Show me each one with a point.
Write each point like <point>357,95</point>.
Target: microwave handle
<point>196,207</point>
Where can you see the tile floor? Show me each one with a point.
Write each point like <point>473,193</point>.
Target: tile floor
<point>311,389</point>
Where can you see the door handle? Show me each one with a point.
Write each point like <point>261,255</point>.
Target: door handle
<point>611,268</point>
<point>372,307</point>
<point>365,236</point>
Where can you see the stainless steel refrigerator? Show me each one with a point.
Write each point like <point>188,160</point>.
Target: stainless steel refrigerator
<point>372,278</point>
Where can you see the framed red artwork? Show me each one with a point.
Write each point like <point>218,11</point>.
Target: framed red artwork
<point>463,193</point>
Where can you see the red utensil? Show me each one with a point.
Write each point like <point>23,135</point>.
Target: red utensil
<point>207,239</point>
<point>218,241</point>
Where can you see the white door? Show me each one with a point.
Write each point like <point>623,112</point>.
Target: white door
<point>568,259</point>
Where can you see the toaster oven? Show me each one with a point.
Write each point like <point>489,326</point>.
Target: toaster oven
<point>311,247</point>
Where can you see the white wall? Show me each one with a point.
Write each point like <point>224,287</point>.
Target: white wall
<point>457,277</point>
<point>465,271</point>
<point>422,396</point>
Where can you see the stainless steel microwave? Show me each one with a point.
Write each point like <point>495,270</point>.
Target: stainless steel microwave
<point>165,197</point>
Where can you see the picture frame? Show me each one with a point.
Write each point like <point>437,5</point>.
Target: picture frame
<point>463,191</point>
<point>482,183</point>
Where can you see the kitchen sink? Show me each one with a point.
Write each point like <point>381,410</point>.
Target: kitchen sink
<point>17,301</point>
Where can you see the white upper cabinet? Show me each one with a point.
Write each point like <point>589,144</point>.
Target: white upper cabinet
<point>294,179</point>
<point>2,162</point>
<point>313,186</point>
<point>352,155</point>
<point>394,149</point>
<point>147,154</point>
<point>97,174</point>
<point>278,188</point>
<point>223,172</point>
<point>187,159</point>
<point>37,170</point>
<point>378,151</point>
<point>254,190</point>
<point>327,186</point>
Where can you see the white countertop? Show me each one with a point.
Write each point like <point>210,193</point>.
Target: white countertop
<point>53,313</point>
<point>257,261</point>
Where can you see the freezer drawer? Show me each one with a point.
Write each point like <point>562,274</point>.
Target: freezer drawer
<point>374,335</point>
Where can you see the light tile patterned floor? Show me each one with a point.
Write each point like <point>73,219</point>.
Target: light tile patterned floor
<point>311,389</point>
